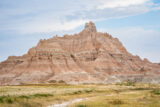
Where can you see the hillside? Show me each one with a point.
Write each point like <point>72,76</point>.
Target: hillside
<point>86,57</point>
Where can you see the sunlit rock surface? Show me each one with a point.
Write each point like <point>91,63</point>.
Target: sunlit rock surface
<point>86,57</point>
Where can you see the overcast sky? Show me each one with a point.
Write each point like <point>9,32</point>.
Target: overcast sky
<point>135,22</point>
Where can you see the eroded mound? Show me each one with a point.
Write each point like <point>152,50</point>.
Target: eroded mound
<point>87,57</point>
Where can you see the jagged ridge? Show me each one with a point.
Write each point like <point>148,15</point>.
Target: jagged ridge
<point>87,57</point>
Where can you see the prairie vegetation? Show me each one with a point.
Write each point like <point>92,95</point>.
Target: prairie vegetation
<point>124,94</point>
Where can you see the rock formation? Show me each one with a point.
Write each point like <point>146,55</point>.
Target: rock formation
<point>87,57</point>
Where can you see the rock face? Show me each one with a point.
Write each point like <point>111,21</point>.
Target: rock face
<point>87,57</point>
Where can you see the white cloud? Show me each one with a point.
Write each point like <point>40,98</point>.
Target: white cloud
<point>52,26</point>
<point>62,15</point>
<point>120,3</point>
<point>156,7</point>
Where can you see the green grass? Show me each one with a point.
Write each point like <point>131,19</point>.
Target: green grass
<point>24,96</point>
<point>1,99</point>
<point>99,95</point>
<point>6,99</point>
<point>81,105</point>
<point>89,91</point>
<point>116,102</point>
<point>156,91</point>
<point>42,95</point>
<point>77,92</point>
<point>126,83</point>
<point>9,100</point>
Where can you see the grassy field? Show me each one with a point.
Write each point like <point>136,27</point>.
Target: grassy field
<point>126,94</point>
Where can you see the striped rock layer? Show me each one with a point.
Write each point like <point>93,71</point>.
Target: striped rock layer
<point>86,57</point>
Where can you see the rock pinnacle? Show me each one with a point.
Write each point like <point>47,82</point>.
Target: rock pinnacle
<point>90,27</point>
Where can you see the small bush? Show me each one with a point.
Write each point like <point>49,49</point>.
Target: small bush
<point>24,96</point>
<point>156,91</point>
<point>116,102</point>
<point>81,105</point>
<point>61,81</point>
<point>9,100</point>
<point>88,91</point>
<point>52,81</point>
<point>1,99</point>
<point>130,83</point>
<point>126,83</point>
<point>141,89</point>
<point>76,92</point>
<point>5,99</point>
<point>42,95</point>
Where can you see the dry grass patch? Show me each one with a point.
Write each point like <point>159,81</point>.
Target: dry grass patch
<point>41,95</point>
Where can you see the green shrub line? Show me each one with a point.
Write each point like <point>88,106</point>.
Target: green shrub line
<point>156,91</point>
<point>6,99</point>
<point>81,105</point>
<point>24,96</point>
<point>1,99</point>
<point>126,83</point>
<point>142,89</point>
<point>116,102</point>
<point>42,95</point>
<point>11,99</point>
<point>85,91</point>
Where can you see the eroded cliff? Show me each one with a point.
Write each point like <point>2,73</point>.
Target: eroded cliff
<point>86,57</point>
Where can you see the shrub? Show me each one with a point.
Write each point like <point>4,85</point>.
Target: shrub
<point>61,81</point>
<point>52,81</point>
<point>156,91</point>
<point>77,92</point>
<point>1,99</point>
<point>88,91</point>
<point>126,83</point>
<point>130,83</point>
<point>141,89</point>
<point>81,105</point>
<point>24,96</point>
<point>9,100</point>
<point>42,95</point>
<point>116,102</point>
<point>5,99</point>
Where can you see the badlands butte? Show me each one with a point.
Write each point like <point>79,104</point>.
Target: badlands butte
<point>86,57</point>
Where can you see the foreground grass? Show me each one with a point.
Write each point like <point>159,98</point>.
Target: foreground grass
<point>41,95</point>
<point>138,95</point>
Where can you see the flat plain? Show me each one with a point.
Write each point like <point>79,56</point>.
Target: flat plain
<point>125,94</point>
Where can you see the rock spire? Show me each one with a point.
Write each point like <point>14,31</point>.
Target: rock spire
<point>90,27</point>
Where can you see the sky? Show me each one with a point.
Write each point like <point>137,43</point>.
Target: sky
<point>136,23</point>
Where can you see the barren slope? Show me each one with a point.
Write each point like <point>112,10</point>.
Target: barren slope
<point>87,57</point>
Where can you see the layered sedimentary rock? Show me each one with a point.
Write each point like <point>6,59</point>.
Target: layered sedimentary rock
<point>86,57</point>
